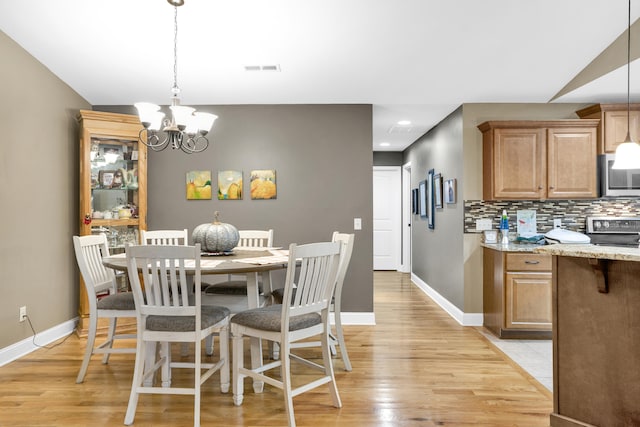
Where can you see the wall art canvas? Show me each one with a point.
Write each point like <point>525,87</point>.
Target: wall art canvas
<point>450,191</point>
<point>263,184</point>
<point>437,188</point>
<point>230,185</point>
<point>199,185</point>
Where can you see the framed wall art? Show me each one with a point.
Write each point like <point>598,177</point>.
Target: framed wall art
<point>263,184</point>
<point>230,185</point>
<point>450,191</point>
<point>415,201</point>
<point>437,188</point>
<point>199,185</point>
<point>430,199</point>
<point>422,199</point>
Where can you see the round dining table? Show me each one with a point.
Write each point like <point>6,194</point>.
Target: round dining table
<point>250,262</point>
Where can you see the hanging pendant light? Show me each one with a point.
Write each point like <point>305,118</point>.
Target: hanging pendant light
<point>628,152</point>
<point>187,129</point>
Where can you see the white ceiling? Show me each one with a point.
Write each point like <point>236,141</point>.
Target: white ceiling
<point>411,59</point>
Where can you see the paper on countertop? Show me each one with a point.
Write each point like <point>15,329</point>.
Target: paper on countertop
<point>527,225</point>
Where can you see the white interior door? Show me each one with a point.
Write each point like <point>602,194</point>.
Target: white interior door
<point>387,208</point>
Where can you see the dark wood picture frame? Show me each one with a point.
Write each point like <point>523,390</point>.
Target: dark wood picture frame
<point>437,188</point>
<point>430,199</point>
<point>422,198</point>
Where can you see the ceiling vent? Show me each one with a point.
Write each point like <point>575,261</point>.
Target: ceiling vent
<point>273,67</point>
<point>400,129</point>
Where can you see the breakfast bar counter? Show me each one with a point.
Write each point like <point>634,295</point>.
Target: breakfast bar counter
<point>596,335</point>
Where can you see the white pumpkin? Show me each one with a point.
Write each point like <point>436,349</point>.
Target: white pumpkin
<point>216,236</point>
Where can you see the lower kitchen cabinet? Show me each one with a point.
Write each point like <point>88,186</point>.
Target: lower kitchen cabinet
<point>517,294</point>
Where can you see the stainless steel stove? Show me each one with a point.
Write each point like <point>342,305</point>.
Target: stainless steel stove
<point>614,231</point>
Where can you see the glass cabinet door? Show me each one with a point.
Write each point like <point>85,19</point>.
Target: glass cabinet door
<point>114,190</point>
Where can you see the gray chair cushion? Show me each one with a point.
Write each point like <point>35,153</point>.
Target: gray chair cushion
<point>211,314</point>
<point>268,319</point>
<point>119,301</point>
<point>230,287</point>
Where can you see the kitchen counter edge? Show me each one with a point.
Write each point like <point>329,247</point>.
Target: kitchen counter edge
<point>512,247</point>
<point>591,251</point>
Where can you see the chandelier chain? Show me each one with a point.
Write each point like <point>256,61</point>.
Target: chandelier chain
<point>175,50</point>
<point>629,70</point>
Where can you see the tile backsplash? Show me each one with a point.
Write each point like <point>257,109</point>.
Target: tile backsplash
<point>572,212</point>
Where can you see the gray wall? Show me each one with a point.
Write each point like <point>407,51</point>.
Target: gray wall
<point>387,158</point>
<point>323,161</point>
<point>437,254</point>
<point>38,194</point>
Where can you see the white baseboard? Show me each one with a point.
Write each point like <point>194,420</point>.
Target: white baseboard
<point>465,319</point>
<point>26,346</point>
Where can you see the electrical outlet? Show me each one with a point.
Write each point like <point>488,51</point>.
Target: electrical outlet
<point>557,223</point>
<point>23,313</point>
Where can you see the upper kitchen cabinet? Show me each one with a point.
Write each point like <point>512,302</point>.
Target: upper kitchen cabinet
<point>613,124</point>
<point>531,160</point>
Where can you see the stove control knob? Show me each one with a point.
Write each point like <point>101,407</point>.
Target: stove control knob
<point>606,224</point>
<point>596,224</point>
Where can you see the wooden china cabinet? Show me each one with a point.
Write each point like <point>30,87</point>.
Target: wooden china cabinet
<point>113,186</point>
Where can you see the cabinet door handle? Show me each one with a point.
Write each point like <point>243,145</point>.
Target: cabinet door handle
<point>552,187</point>
<point>532,262</point>
<point>539,187</point>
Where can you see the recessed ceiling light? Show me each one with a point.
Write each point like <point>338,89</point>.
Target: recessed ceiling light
<point>384,144</point>
<point>404,122</point>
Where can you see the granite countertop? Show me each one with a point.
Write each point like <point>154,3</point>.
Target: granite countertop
<point>512,247</point>
<point>591,251</point>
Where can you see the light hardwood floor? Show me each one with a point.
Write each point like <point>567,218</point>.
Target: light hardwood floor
<point>416,367</point>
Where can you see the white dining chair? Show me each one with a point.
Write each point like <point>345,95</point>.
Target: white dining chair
<point>164,237</point>
<point>306,316</point>
<point>172,237</point>
<point>104,299</point>
<point>335,339</point>
<point>237,284</point>
<point>165,315</point>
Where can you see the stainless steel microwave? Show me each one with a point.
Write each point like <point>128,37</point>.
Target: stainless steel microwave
<point>617,182</point>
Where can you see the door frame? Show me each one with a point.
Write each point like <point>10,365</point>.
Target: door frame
<point>405,256</point>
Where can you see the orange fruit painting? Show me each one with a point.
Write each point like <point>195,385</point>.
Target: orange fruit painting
<point>263,184</point>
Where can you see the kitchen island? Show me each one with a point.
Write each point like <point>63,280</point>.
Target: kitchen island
<point>596,335</point>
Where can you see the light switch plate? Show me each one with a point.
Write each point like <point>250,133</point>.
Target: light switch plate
<point>357,223</point>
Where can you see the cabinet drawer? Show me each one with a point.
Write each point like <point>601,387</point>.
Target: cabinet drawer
<point>528,262</point>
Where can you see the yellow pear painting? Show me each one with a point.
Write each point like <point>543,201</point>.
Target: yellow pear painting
<point>229,185</point>
<point>199,185</point>
<point>263,184</point>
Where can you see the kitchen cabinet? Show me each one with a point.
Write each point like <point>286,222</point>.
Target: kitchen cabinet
<point>612,129</point>
<point>517,294</point>
<point>113,185</point>
<point>537,160</point>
